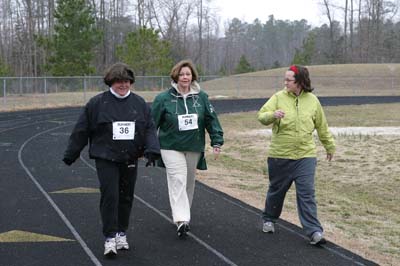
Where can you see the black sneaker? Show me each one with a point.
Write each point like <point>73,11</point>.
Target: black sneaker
<point>183,229</point>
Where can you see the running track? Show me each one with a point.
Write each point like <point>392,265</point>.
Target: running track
<point>225,231</point>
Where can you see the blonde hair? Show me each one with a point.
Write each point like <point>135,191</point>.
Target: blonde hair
<point>177,68</point>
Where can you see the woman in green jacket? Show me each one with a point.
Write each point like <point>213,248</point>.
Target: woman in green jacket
<point>294,114</point>
<point>181,115</point>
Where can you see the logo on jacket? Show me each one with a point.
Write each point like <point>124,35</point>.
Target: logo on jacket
<point>196,101</point>
<point>211,108</point>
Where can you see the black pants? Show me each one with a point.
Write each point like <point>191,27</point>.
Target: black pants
<point>117,186</point>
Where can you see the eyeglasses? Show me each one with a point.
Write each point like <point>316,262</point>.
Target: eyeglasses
<point>289,80</point>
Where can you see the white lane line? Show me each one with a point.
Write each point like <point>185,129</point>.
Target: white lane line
<point>52,203</point>
<point>281,225</point>
<point>31,124</point>
<point>196,238</point>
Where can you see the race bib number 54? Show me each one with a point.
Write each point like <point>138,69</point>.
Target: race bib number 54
<point>187,122</point>
<point>123,130</point>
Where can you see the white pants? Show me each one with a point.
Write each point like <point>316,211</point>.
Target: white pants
<point>181,174</point>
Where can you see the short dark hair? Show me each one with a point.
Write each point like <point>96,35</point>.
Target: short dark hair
<point>118,72</point>
<point>177,68</point>
<point>302,77</point>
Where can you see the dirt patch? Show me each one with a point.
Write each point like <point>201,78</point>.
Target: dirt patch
<point>346,131</point>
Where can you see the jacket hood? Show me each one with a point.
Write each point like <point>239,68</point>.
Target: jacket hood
<point>194,87</point>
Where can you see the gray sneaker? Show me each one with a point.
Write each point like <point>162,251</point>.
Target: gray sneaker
<point>268,227</point>
<point>317,238</point>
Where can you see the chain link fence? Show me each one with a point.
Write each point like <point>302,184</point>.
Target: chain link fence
<point>19,93</point>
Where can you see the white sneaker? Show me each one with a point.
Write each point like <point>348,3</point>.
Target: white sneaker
<point>110,247</point>
<point>317,238</point>
<point>268,227</point>
<point>122,242</point>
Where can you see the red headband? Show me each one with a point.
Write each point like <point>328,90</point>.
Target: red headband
<point>294,69</point>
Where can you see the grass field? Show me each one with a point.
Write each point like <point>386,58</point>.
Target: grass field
<point>357,192</point>
<point>328,80</point>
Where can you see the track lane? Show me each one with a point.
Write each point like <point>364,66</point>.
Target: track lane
<point>146,230</point>
<point>23,208</point>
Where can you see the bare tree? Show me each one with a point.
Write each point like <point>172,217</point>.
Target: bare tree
<point>346,7</point>
<point>331,28</point>
<point>172,19</point>
<point>367,32</point>
<point>351,24</point>
<point>200,31</point>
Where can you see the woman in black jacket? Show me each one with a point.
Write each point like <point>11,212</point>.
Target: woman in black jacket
<point>118,125</point>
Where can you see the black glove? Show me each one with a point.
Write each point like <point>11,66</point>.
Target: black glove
<point>151,158</point>
<point>68,161</point>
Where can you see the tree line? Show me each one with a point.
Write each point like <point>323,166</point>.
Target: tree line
<point>83,37</point>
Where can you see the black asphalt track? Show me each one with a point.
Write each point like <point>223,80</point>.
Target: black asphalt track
<point>225,231</point>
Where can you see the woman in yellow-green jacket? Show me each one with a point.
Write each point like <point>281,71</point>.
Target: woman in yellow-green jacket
<point>294,114</point>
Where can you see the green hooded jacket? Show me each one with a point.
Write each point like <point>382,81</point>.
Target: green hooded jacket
<point>166,108</point>
<point>292,136</point>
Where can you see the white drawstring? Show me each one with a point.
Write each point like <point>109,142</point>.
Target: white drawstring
<point>184,101</point>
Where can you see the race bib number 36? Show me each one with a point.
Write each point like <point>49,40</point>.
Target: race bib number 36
<point>123,130</point>
<point>187,122</point>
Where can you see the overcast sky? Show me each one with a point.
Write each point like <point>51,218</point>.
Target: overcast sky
<point>249,10</point>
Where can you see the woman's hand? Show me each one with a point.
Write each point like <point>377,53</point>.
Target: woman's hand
<point>216,151</point>
<point>278,114</point>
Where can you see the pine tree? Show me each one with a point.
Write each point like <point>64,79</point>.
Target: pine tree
<point>4,69</point>
<point>243,66</point>
<point>145,52</point>
<point>305,55</point>
<point>75,39</point>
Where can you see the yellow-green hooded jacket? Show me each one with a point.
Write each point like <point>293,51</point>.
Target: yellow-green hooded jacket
<point>292,136</point>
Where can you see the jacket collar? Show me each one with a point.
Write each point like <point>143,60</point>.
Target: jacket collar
<point>119,96</point>
<point>194,89</point>
<point>292,94</point>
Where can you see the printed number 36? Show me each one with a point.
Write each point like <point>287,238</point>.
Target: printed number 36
<point>124,130</point>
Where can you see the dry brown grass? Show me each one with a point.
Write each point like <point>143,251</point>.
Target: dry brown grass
<point>357,193</point>
<point>328,80</point>
<point>54,100</point>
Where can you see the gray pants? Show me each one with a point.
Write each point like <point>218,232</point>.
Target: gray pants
<point>282,173</point>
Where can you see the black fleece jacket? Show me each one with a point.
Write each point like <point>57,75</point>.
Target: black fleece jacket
<point>95,125</point>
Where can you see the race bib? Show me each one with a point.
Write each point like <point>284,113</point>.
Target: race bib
<point>187,122</point>
<point>123,130</point>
